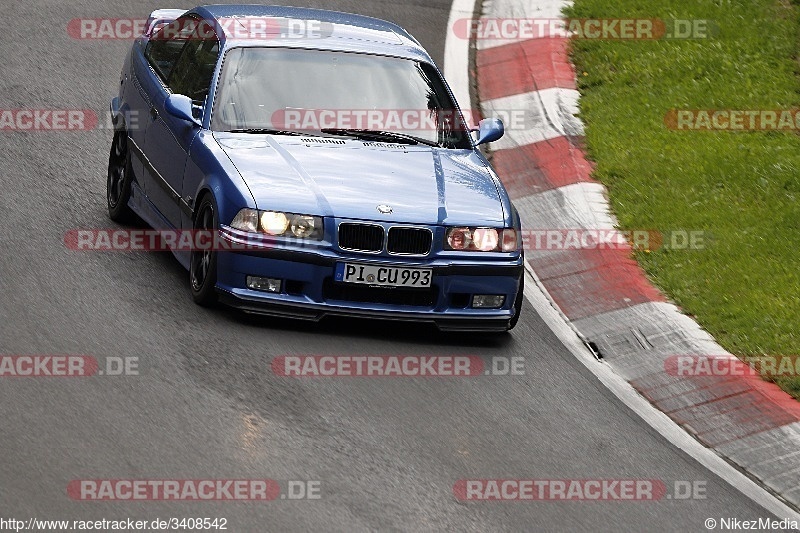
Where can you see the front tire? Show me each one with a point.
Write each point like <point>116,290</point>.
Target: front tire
<point>120,176</point>
<point>203,263</point>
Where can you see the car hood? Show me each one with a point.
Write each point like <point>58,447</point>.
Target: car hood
<point>348,178</point>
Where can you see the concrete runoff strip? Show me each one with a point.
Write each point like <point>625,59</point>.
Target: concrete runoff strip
<point>603,294</point>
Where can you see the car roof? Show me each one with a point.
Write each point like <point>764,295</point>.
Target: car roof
<point>343,31</point>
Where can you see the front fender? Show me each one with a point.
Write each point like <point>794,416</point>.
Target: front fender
<point>208,169</point>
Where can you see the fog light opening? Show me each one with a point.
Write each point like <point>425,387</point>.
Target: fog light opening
<point>488,301</point>
<point>264,284</point>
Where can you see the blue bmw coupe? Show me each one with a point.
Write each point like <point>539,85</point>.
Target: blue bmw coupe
<point>332,146</point>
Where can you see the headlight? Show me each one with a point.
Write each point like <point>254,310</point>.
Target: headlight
<point>278,224</point>
<point>274,223</point>
<point>303,226</point>
<point>459,238</point>
<point>485,239</point>
<point>482,240</point>
<point>510,240</point>
<point>246,220</point>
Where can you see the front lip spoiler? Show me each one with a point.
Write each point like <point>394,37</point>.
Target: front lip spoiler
<point>316,312</point>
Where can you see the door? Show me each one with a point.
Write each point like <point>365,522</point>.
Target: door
<point>181,63</point>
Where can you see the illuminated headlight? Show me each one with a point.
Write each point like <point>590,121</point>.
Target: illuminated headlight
<point>482,240</point>
<point>485,239</point>
<point>274,223</point>
<point>459,238</point>
<point>278,224</point>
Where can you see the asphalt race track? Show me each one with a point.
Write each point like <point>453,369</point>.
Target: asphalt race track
<point>206,404</point>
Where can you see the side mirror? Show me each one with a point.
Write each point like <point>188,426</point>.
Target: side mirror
<point>180,106</point>
<point>489,130</point>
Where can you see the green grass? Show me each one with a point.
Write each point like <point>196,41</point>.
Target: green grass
<point>742,188</point>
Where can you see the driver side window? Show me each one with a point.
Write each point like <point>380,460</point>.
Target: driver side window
<point>164,48</point>
<point>195,68</point>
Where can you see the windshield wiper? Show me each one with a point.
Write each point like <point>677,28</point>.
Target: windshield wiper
<point>270,131</point>
<point>379,135</point>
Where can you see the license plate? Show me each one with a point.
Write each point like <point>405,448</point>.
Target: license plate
<point>384,276</point>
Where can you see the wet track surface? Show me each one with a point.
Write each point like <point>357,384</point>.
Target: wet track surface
<point>207,405</point>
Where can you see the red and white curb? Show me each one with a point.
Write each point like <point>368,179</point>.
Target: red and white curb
<point>603,293</point>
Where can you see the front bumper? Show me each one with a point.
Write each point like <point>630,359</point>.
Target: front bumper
<point>310,293</point>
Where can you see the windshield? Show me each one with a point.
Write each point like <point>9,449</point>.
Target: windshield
<point>312,90</point>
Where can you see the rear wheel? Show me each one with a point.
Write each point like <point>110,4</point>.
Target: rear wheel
<point>118,184</point>
<point>203,263</point>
